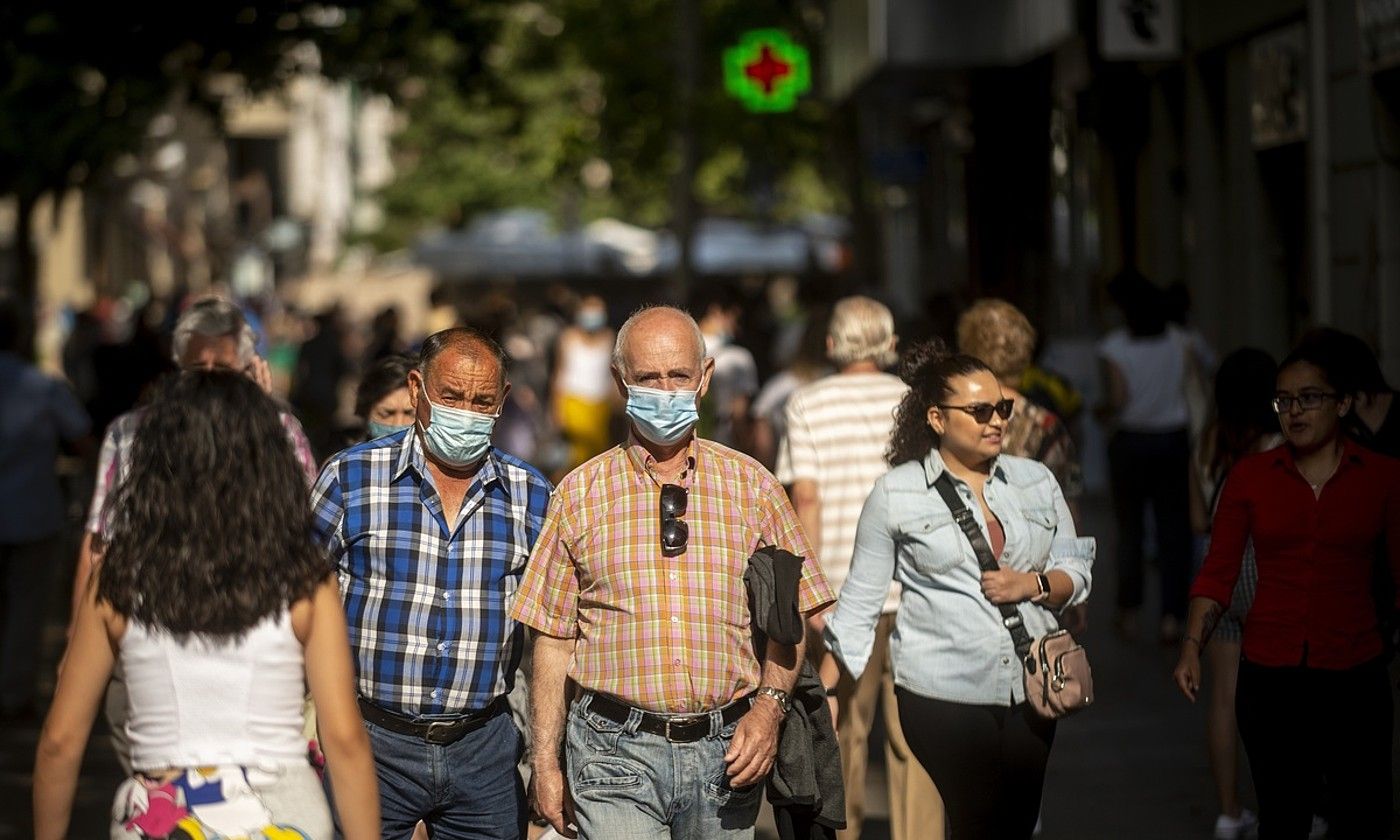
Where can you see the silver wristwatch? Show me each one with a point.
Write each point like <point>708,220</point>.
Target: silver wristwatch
<point>784,701</point>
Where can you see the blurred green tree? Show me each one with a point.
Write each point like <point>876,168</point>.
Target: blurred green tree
<point>577,114</point>
<point>80,82</point>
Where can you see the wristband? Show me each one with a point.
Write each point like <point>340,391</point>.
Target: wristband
<point>831,691</point>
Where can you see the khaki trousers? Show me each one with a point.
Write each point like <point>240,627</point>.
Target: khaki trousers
<point>916,809</point>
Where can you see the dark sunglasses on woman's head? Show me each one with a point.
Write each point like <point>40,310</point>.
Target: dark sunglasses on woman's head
<point>982,412</point>
<point>675,534</point>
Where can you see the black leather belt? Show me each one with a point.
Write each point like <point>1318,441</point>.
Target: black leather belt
<point>440,732</point>
<point>679,729</point>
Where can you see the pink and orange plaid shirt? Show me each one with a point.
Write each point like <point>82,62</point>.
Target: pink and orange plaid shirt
<point>668,634</point>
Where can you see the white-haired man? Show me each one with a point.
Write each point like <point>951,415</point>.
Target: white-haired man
<point>837,431</point>
<point>211,334</point>
<point>635,590</point>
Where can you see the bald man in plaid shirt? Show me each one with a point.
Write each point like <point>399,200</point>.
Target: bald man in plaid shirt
<point>636,592</point>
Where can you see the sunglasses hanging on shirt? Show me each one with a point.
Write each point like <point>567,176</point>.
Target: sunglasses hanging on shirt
<point>675,534</point>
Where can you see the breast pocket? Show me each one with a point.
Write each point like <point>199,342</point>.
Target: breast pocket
<point>1040,533</point>
<point>930,545</point>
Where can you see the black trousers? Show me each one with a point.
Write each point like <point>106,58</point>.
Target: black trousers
<point>988,762</point>
<point>1152,467</point>
<point>1301,726</point>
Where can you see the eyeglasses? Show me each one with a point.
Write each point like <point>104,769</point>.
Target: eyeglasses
<point>674,532</point>
<point>982,412</point>
<point>1306,401</point>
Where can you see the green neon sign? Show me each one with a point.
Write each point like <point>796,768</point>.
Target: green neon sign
<point>767,71</point>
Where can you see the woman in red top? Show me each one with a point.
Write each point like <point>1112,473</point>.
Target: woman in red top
<point>1312,697</point>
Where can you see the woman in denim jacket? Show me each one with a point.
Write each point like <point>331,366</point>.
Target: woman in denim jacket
<point>958,681</point>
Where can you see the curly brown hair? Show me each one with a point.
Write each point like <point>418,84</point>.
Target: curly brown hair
<point>210,532</point>
<point>926,369</point>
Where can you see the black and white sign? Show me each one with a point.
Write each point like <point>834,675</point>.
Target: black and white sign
<point>1139,30</point>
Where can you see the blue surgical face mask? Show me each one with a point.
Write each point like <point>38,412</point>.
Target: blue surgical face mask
<point>592,319</point>
<point>379,430</point>
<point>456,437</point>
<point>662,417</point>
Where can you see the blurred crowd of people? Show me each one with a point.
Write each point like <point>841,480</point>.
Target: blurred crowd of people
<point>819,416</point>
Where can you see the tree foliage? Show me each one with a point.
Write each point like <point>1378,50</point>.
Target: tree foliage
<point>80,82</point>
<point>576,113</point>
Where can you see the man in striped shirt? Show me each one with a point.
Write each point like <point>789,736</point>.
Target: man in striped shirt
<point>430,528</point>
<point>838,430</point>
<point>636,591</point>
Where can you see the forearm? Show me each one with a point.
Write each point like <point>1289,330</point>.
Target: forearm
<point>55,781</point>
<point>351,765</point>
<point>781,665</point>
<point>548,702</point>
<point>1202,617</point>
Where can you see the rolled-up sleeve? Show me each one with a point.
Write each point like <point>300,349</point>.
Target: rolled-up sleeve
<point>850,632</point>
<point>547,599</point>
<point>1069,552</point>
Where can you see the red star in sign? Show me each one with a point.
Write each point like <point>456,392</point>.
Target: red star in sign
<point>768,70</point>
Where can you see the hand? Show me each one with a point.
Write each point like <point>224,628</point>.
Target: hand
<point>755,743</point>
<point>259,372</point>
<point>1008,586</point>
<point>552,800</point>
<point>1188,670</point>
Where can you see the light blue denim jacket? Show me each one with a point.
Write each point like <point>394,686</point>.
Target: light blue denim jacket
<point>949,642</point>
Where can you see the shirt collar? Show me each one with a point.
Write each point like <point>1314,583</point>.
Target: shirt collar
<point>1352,453</point>
<point>411,457</point>
<point>934,467</point>
<point>642,461</point>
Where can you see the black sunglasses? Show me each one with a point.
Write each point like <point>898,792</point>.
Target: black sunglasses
<point>675,534</point>
<point>982,412</point>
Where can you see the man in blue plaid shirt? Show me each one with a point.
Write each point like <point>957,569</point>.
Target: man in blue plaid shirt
<point>430,529</point>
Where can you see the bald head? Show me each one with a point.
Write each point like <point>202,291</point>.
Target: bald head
<point>660,336</point>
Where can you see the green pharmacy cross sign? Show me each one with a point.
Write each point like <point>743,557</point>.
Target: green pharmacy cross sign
<point>767,71</point>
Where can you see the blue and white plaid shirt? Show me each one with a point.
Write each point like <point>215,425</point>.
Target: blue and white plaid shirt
<point>428,603</point>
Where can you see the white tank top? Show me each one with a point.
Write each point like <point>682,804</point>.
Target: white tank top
<point>585,371</point>
<point>196,702</point>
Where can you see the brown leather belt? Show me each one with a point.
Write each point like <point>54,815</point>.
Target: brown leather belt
<point>679,729</point>
<point>440,732</point>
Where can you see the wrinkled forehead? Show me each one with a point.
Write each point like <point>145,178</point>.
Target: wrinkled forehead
<point>462,367</point>
<point>663,347</point>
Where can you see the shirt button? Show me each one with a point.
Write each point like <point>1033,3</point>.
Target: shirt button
<point>442,645</point>
<point>675,619</point>
<point>436,694</point>
<point>1006,660</point>
<point>675,576</point>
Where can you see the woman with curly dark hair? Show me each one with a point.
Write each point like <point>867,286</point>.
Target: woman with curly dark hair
<point>220,609</point>
<point>958,678</point>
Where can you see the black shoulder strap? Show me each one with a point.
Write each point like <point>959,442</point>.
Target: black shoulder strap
<point>1010,614</point>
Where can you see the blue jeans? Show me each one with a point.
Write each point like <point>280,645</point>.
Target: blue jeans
<point>631,785</point>
<point>468,790</point>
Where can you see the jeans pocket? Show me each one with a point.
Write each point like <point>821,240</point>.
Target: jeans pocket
<point>602,775</point>
<point>598,733</point>
<point>720,791</point>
